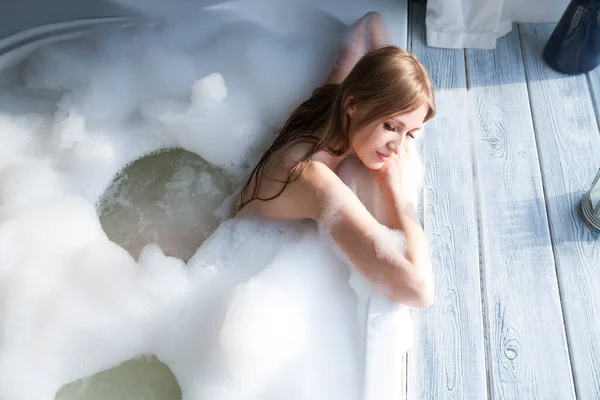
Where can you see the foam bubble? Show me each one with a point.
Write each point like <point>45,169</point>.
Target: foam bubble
<point>260,317</point>
<point>28,183</point>
<point>20,135</point>
<point>208,90</point>
<point>390,244</point>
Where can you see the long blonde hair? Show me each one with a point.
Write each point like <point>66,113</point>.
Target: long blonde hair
<point>390,80</point>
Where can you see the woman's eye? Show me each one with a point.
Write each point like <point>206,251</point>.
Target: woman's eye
<point>388,127</point>
<point>411,135</point>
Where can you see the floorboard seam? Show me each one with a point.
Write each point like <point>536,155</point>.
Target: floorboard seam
<point>477,207</point>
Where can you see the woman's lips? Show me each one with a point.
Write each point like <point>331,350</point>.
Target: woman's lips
<point>383,157</point>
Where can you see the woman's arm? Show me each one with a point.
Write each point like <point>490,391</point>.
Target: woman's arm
<point>397,258</point>
<point>405,219</point>
<point>366,34</point>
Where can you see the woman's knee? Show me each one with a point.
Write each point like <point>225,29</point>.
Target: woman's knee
<point>373,17</point>
<point>376,28</point>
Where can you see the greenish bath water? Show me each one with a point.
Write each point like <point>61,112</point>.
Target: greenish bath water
<point>169,199</point>
<point>144,378</point>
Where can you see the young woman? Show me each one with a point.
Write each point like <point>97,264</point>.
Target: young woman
<point>371,107</point>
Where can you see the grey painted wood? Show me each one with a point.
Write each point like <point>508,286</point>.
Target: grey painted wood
<point>527,352</point>
<point>594,83</point>
<point>448,358</point>
<point>399,33</point>
<point>569,147</point>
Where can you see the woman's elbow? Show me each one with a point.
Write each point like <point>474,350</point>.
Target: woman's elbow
<point>424,294</point>
<point>418,294</point>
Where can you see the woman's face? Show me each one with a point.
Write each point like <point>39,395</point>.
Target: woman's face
<point>375,142</point>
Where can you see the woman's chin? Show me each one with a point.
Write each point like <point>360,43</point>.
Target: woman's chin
<point>373,164</point>
<point>370,164</point>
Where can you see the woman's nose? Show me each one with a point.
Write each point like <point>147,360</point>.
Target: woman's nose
<point>396,145</point>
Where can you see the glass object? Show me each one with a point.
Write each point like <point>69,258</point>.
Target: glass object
<point>590,204</point>
<point>574,46</point>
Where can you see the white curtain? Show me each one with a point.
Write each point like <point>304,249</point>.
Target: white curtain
<point>479,23</point>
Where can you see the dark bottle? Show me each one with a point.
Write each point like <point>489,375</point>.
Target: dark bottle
<point>574,46</point>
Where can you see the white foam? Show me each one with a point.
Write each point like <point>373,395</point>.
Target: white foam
<point>29,182</point>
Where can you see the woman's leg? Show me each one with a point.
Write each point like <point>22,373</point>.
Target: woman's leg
<point>366,34</point>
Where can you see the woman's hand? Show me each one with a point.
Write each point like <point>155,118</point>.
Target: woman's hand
<point>390,178</point>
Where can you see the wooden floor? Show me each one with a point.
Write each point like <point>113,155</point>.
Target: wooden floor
<point>512,150</point>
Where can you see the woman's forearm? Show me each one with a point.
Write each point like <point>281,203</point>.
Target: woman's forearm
<point>405,219</point>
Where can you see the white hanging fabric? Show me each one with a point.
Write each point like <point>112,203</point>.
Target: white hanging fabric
<point>479,23</point>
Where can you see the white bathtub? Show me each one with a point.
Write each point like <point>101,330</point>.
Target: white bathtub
<point>383,376</point>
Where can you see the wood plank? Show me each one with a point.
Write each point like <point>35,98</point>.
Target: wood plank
<point>527,352</point>
<point>569,147</point>
<point>594,84</point>
<point>448,358</point>
<point>399,33</point>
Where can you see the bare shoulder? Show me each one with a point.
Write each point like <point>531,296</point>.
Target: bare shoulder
<point>302,198</point>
